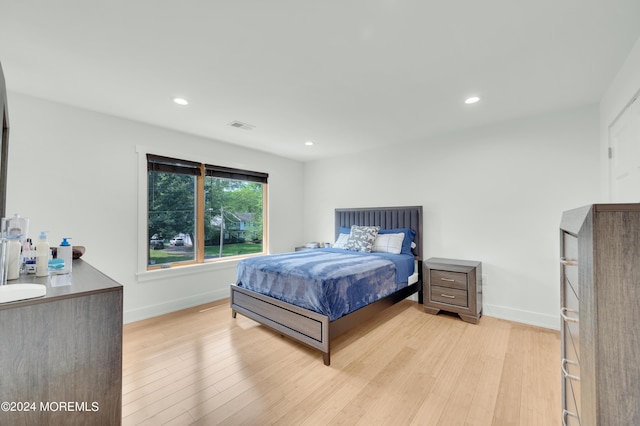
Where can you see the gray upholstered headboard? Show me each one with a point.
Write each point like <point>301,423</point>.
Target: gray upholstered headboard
<point>386,218</point>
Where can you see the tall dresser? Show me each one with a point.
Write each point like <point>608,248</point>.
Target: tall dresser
<point>600,298</point>
<point>61,354</point>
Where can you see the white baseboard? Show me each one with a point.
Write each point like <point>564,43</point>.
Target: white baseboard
<point>525,317</point>
<point>502,312</point>
<point>413,297</point>
<point>174,305</point>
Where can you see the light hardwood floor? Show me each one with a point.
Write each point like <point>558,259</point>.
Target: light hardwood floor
<point>200,366</point>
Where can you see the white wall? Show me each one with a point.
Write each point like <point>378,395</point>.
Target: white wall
<point>621,90</point>
<point>75,173</point>
<point>493,194</point>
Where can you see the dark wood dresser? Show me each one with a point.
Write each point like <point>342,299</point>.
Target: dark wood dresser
<point>61,354</point>
<point>453,285</point>
<point>600,311</point>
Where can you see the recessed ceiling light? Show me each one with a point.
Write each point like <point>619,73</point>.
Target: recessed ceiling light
<point>181,101</point>
<point>471,100</point>
<point>308,143</point>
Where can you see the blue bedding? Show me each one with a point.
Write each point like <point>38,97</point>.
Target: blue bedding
<point>332,282</point>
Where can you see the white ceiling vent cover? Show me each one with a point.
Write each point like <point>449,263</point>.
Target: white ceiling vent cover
<point>241,125</point>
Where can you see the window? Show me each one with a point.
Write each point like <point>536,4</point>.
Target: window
<point>202,213</point>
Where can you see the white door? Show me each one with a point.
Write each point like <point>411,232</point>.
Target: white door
<point>624,143</point>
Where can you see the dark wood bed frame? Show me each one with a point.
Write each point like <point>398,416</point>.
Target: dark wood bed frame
<point>311,328</point>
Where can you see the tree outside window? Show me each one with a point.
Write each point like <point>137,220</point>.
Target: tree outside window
<point>229,222</point>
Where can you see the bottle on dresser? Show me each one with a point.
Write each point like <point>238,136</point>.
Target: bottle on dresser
<point>43,252</point>
<point>65,252</point>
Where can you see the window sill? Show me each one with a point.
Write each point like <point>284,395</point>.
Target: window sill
<point>180,271</point>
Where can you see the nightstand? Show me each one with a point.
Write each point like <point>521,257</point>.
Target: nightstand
<point>453,285</point>
<point>305,248</point>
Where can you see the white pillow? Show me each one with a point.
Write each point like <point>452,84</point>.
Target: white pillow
<point>388,243</point>
<point>341,242</point>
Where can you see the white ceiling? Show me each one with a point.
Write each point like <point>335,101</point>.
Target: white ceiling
<point>348,75</point>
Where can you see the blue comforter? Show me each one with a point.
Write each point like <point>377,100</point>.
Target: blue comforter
<point>332,282</point>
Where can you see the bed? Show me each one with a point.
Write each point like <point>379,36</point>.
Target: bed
<point>310,323</point>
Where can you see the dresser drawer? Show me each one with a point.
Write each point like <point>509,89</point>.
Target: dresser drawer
<point>571,403</point>
<point>570,408</point>
<point>574,403</point>
<point>570,318</point>
<point>571,329</point>
<point>571,342</point>
<point>449,279</point>
<point>450,296</point>
<point>570,262</point>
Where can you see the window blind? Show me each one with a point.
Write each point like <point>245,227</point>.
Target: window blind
<point>158,163</point>
<point>236,174</point>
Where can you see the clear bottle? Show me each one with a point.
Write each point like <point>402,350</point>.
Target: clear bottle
<point>65,252</point>
<point>17,227</point>
<point>42,255</point>
<point>16,232</point>
<point>13,261</point>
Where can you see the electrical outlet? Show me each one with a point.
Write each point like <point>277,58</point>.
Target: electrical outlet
<point>484,280</point>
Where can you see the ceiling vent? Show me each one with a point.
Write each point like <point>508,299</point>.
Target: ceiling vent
<point>241,125</point>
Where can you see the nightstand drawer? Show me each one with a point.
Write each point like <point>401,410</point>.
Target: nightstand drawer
<point>449,279</point>
<point>450,296</point>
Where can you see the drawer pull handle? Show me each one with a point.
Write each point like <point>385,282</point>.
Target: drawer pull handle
<point>566,413</point>
<point>448,296</point>
<point>566,373</point>
<point>565,311</point>
<point>567,261</point>
<point>451,280</point>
